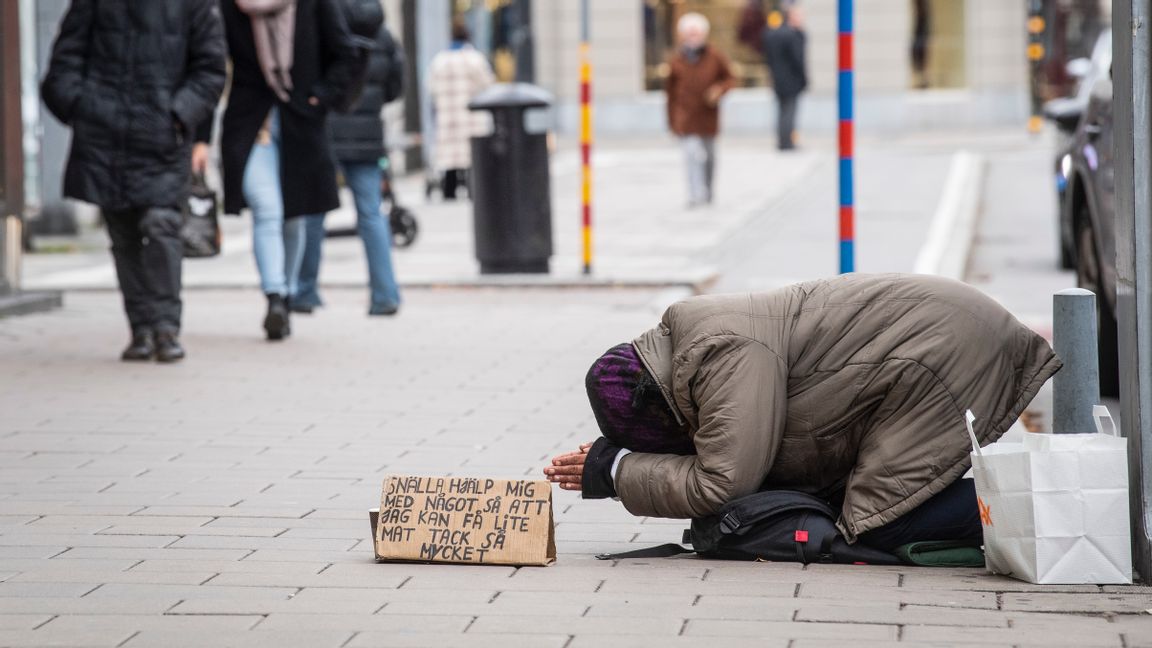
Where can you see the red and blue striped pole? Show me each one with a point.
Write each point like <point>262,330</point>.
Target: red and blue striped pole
<point>845,97</point>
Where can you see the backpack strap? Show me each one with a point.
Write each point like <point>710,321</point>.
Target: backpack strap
<point>660,551</point>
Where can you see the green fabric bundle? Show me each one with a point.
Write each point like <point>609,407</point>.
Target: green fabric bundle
<point>941,553</point>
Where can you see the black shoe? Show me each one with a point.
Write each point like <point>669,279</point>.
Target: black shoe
<point>384,309</point>
<point>142,347</point>
<point>276,321</point>
<point>303,309</point>
<point>168,348</point>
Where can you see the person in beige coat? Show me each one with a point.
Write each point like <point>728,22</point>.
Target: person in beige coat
<point>456,75</point>
<point>852,388</point>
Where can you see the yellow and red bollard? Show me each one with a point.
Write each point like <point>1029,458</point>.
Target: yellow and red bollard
<point>585,139</point>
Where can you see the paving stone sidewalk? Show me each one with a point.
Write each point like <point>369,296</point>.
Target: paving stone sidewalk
<point>221,502</point>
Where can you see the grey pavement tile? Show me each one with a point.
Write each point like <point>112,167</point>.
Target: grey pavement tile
<point>288,512</point>
<point>413,623</point>
<point>108,624</point>
<point>50,639</point>
<point>50,589</point>
<point>602,641</point>
<point>124,591</point>
<point>255,542</point>
<point>1059,602</point>
<point>450,605</point>
<point>63,566</point>
<point>781,589</point>
<point>934,597</point>
<point>904,616</point>
<point>279,555</point>
<point>793,630</point>
<point>979,580</point>
<point>250,639</point>
<point>24,551</point>
<point>1091,638</point>
<point>50,539</point>
<point>576,626</point>
<point>364,579</point>
<point>192,530</point>
<point>228,566</point>
<point>312,600</point>
<point>115,553</point>
<point>88,605</point>
<point>471,640</point>
<point>85,574</point>
<point>22,621</point>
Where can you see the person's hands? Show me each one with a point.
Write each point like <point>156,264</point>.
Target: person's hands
<point>199,158</point>
<point>567,469</point>
<point>713,94</point>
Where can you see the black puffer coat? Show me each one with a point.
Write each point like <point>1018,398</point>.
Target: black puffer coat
<point>325,66</point>
<point>359,135</point>
<point>134,79</point>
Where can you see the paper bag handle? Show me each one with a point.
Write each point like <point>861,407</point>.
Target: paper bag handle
<point>1099,413</point>
<point>969,419</point>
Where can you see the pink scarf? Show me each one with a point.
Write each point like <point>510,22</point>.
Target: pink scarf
<point>273,28</point>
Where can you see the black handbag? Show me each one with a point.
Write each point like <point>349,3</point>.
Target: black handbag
<point>200,230</point>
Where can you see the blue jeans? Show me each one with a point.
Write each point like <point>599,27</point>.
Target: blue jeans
<point>277,243</point>
<point>363,179</point>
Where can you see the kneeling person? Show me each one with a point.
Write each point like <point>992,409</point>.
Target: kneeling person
<point>852,388</point>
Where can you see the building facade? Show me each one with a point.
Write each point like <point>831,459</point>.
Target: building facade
<point>974,74</point>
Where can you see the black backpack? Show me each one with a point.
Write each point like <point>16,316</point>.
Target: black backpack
<point>774,525</point>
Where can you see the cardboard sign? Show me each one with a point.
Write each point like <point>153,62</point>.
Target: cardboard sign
<point>465,520</point>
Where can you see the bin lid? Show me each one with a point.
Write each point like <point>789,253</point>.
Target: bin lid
<point>511,95</point>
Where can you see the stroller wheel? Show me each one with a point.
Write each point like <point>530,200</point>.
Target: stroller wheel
<point>404,227</point>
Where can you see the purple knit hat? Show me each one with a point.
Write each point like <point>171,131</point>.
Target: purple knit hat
<point>629,406</point>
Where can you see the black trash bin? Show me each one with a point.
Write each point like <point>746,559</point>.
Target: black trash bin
<point>511,188</point>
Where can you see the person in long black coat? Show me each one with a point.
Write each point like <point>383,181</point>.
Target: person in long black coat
<point>784,52</point>
<point>275,155</point>
<point>358,143</point>
<point>134,80</point>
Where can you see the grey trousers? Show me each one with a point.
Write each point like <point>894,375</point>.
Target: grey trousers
<point>148,252</point>
<point>786,121</point>
<point>700,155</point>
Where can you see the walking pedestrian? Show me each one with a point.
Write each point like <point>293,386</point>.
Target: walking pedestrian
<point>456,75</point>
<point>784,53</point>
<point>851,388</point>
<point>698,76</point>
<point>358,144</point>
<point>134,80</point>
<point>292,62</point>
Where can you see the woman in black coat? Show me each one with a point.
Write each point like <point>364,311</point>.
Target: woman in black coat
<point>274,152</point>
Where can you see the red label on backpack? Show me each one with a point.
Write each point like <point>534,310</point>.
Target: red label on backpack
<point>801,536</point>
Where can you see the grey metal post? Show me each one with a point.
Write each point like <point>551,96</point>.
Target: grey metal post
<point>1076,387</point>
<point>1132,82</point>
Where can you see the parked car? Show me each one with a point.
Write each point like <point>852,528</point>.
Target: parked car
<point>1065,114</point>
<point>1089,211</point>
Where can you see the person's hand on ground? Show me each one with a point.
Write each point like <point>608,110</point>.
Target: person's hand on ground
<point>199,158</point>
<point>568,469</point>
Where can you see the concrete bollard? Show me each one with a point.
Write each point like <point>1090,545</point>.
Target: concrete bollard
<point>1076,387</point>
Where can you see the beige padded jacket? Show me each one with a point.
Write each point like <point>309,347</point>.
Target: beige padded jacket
<point>858,383</point>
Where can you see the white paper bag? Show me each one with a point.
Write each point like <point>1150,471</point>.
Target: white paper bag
<point>1055,506</point>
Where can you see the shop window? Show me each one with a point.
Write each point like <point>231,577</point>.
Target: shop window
<point>736,25</point>
<point>495,27</point>
<point>937,53</point>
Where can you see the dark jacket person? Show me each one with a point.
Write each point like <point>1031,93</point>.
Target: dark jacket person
<point>134,80</point>
<point>784,52</point>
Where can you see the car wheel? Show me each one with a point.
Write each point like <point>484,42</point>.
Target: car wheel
<point>1088,276</point>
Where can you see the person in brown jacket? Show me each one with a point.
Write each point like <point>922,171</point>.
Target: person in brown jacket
<point>698,76</point>
<point>852,388</point>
